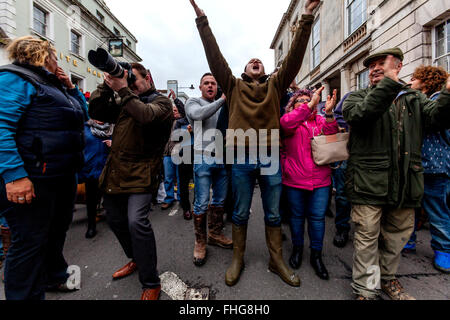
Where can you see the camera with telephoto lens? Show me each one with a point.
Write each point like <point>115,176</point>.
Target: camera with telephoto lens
<point>102,60</point>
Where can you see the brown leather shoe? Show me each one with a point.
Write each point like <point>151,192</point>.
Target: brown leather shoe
<point>151,294</point>
<point>125,270</point>
<point>200,240</point>
<point>166,206</point>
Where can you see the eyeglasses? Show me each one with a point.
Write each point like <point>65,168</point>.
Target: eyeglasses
<point>302,100</point>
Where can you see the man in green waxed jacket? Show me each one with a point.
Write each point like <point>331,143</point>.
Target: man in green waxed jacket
<point>385,174</point>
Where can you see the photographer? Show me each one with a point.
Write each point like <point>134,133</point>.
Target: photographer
<point>143,120</point>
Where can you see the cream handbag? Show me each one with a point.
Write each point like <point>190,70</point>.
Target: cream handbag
<point>330,149</point>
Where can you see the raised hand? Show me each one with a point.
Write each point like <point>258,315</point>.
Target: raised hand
<point>311,5</point>
<point>331,103</point>
<point>198,11</point>
<point>391,69</point>
<point>172,95</point>
<point>64,78</point>
<point>448,84</point>
<point>315,99</point>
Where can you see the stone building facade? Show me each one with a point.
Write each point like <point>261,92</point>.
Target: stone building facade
<point>74,27</point>
<point>345,32</point>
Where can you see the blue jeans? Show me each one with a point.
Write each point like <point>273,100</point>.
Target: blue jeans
<point>244,178</point>
<point>343,207</point>
<point>435,203</point>
<point>205,176</point>
<point>310,205</point>
<point>170,175</point>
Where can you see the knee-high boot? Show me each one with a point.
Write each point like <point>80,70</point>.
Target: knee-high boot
<point>237,264</point>
<point>276,264</point>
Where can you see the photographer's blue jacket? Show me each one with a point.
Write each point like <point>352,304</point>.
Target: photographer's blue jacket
<point>17,96</point>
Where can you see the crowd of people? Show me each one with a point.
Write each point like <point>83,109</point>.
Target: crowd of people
<point>120,144</point>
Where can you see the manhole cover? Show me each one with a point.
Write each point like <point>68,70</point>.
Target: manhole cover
<point>197,294</point>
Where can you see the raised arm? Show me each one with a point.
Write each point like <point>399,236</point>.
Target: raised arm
<point>217,63</point>
<point>293,61</point>
<point>437,113</point>
<point>197,112</point>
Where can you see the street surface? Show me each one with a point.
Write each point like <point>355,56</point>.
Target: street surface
<point>100,257</point>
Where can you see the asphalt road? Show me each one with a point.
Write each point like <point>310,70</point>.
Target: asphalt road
<point>100,257</point>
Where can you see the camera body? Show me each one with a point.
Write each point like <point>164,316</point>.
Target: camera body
<point>102,60</point>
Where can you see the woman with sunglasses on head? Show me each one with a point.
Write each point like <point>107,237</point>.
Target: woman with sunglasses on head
<point>307,185</point>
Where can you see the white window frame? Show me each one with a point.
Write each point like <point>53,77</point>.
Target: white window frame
<point>348,32</point>
<point>50,34</point>
<point>100,16</point>
<point>358,79</point>
<point>82,85</point>
<point>80,45</point>
<point>313,46</point>
<point>444,22</point>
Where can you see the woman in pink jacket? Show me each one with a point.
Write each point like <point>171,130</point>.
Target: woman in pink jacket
<point>307,185</point>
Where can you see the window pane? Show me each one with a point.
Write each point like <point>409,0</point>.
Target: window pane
<point>39,20</point>
<point>357,15</point>
<point>363,80</point>
<point>75,43</point>
<point>448,36</point>
<point>443,62</point>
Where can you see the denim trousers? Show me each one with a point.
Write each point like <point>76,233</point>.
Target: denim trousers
<point>128,218</point>
<point>38,233</point>
<point>435,203</point>
<point>310,206</point>
<point>170,176</point>
<point>343,206</point>
<point>206,176</point>
<point>244,177</point>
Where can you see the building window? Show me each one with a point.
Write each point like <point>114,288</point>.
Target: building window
<point>117,32</point>
<point>316,44</point>
<point>363,80</point>
<point>40,20</point>
<point>129,43</point>
<point>100,17</point>
<point>280,51</point>
<point>442,45</point>
<point>356,14</point>
<point>75,42</point>
<point>77,81</point>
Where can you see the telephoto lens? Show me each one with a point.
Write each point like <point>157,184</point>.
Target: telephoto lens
<point>102,60</point>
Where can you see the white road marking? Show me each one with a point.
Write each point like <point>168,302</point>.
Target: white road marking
<point>173,286</point>
<point>173,212</point>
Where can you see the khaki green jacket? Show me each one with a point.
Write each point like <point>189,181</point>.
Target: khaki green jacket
<point>387,125</point>
<point>140,135</point>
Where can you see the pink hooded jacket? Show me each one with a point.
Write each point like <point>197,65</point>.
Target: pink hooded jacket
<point>299,169</point>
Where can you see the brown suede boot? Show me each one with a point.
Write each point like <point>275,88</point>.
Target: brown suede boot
<point>200,240</point>
<point>237,264</point>
<point>215,226</point>
<point>276,264</point>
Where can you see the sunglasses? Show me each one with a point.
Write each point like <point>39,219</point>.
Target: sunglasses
<point>302,101</point>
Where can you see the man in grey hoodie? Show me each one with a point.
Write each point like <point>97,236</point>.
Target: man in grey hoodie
<point>203,114</point>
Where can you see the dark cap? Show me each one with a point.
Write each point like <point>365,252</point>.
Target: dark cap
<point>396,52</point>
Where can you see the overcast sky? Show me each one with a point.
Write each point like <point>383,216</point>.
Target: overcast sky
<point>169,43</point>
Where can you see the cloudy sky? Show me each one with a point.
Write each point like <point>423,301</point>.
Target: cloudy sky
<point>169,43</point>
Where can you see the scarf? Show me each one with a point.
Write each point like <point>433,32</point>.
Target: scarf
<point>102,131</point>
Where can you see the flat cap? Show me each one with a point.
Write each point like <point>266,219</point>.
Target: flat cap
<point>396,52</point>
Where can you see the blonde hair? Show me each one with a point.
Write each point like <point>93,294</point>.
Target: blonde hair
<point>30,50</point>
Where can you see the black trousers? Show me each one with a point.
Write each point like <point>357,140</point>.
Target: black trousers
<point>93,196</point>
<point>127,215</point>
<point>38,233</point>
<point>185,173</point>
